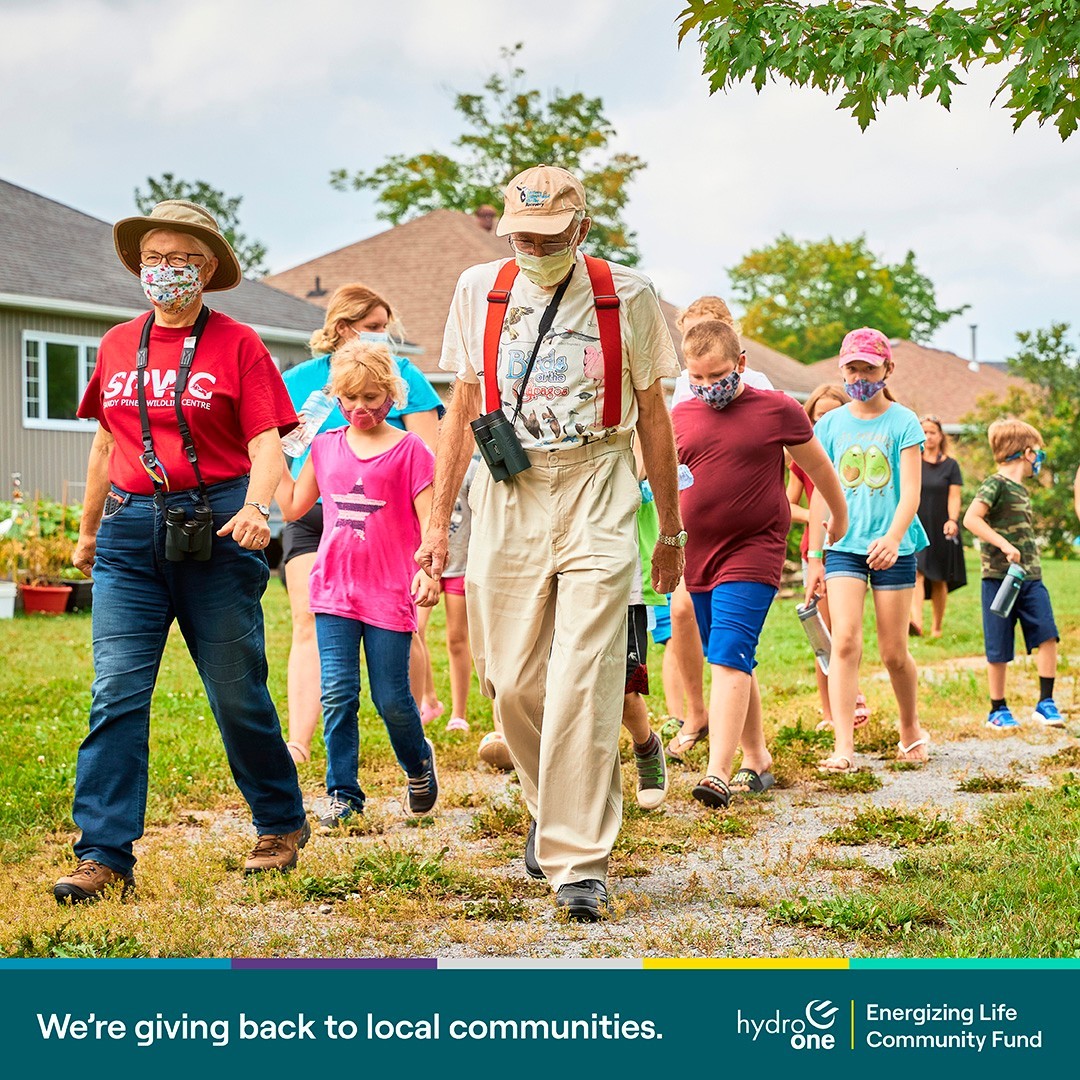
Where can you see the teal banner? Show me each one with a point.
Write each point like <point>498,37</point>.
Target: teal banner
<point>172,1020</point>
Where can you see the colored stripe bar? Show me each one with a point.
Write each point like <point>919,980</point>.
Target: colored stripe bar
<point>767,963</point>
<point>67,963</point>
<point>362,963</point>
<point>952,964</point>
<point>516,962</point>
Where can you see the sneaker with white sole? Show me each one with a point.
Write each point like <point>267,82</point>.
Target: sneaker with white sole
<point>1048,714</point>
<point>422,791</point>
<point>333,811</point>
<point>1002,718</point>
<point>652,777</point>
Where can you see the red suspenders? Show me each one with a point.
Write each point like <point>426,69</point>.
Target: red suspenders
<point>607,321</point>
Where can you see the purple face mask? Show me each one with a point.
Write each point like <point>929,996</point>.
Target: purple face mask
<point>863,389</point>
<point>719,394</point>
<point>365,419</point>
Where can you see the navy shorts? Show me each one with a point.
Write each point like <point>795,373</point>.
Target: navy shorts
<point>730,618</point>
<point>302,536</point>
<point>901,575</point>
<point>1032,610</point>
<point>637,650</point>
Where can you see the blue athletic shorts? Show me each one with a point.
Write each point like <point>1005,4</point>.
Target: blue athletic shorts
<point>661,633</point>
<point>729,619</point>
<point>1032,610</point>
<point>901,575</point>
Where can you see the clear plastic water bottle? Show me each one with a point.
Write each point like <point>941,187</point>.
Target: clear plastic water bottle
<point>817,633</point>
<point>314,411</point>
<point>1008,591</point>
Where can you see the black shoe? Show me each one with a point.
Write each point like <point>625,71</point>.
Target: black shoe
<point>532,867</point>
<point>583,901</point>
<point>422,792</point>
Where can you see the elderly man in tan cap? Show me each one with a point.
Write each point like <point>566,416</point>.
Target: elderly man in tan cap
<point>564,356</point>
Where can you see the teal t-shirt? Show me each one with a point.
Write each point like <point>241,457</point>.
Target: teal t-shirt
<point>866,455</point>
<point>314,374</point>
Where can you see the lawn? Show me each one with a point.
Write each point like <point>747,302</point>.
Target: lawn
<point>990,871</point>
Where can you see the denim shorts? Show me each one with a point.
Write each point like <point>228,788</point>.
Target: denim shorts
<point>901,575</point>
<point>730,618</point>
<point>1032,610</point>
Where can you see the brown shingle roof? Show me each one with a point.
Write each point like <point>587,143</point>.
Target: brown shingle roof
<point>934,381</point>
<point>416,266</point>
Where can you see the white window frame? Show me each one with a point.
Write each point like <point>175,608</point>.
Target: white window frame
<point>44,338</point>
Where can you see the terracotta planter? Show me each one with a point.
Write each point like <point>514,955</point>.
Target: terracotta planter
<point>46,599</point>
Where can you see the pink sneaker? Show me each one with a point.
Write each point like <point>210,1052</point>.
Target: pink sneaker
<point>457,723</point>
<point>431,712</point>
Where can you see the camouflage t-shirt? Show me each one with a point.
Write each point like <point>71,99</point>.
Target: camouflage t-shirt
<point>1009,513</point>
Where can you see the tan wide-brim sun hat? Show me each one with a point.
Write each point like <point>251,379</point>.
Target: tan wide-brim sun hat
<point>178,215</point>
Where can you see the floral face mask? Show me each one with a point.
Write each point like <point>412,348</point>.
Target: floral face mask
<point>864,389</point>
<point>169,288</point>
<point>719,394</point>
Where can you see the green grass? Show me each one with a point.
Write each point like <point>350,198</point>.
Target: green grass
<point>989,784</point>
<point>1001,883</point>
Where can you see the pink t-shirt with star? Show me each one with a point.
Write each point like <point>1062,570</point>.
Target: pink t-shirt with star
<point>364,567</point>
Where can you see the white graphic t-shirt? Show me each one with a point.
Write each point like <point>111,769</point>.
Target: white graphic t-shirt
<point>563,403</point>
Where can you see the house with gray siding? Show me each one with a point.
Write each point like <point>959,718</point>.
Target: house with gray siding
<point>61,287</point>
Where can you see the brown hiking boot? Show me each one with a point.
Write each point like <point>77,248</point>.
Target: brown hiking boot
<point>90,881</point>
<point>277,852</point>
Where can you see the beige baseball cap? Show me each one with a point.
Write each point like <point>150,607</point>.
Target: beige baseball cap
<point>541,200</point>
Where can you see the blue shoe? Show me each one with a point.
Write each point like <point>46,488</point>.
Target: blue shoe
<point>1046,712</point>
<point>1001,719</point>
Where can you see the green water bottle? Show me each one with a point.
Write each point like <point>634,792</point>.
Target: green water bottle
<point>1008,591</point>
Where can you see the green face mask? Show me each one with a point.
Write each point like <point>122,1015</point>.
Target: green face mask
<point>546,270</point>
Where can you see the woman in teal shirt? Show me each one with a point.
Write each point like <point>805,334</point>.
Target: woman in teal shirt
<point>353,310</point>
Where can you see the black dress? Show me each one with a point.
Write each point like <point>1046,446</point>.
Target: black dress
<point>943,560</point>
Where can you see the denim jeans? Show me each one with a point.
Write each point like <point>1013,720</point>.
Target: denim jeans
<point>137,595</point>
<point>387,653</point>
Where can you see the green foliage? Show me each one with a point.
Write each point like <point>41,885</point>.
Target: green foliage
<point>65,942</point>
<point>1050,360</point>
<point>857,914</point>
<point>870,52</point>
<point>226,211</point>
<point>884,825</point>
<point>989,784</point>
<point>860,780</point>
<point>802,297</point>
<point>510,128</point>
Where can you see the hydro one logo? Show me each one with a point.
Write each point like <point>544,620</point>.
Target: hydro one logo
<point>811,1031</point>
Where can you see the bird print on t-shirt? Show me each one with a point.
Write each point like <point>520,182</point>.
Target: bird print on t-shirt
<point>354,508</point>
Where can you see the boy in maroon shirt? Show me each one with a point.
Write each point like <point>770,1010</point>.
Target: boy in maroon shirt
<point>737,516</point>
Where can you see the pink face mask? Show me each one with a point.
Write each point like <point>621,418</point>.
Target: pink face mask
<point>365,419</point>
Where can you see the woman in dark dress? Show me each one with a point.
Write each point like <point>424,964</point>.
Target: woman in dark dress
<point>941,565</point>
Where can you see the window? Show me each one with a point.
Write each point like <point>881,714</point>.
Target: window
<point>56,369</point>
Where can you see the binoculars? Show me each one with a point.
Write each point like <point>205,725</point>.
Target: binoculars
<point>184,537</point>
<point>499,446</point>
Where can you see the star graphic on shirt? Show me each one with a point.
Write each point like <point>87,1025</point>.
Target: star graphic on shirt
<point>354,508</point>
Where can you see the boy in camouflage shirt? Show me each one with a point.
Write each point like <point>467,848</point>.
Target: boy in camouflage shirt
<point>1000,516</point>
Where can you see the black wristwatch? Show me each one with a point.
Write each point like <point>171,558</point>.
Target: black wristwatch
<point>261,507</point>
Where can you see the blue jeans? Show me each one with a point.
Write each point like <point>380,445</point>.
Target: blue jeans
<point>137,595</point>
<point>387,653</point>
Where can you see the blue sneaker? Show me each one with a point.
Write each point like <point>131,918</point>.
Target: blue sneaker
<point>1002,718</point>
<point>1046,712</point>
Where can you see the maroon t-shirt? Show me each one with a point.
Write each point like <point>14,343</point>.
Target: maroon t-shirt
<point>736,512</point>
<point>234,392</point>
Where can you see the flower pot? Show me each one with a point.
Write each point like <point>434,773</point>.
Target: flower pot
<point>46,599</point>
<point>8,592</point>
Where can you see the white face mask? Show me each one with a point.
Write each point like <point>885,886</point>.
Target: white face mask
<point>546,270</point>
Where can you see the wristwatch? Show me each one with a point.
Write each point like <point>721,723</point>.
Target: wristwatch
<point>678,540</point>
<point>262,508</point>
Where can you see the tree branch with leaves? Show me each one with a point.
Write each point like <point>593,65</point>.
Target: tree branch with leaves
<point>510,128</point>
<point>870,52</point>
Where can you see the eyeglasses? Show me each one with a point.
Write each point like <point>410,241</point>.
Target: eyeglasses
<point>554,247</point>
<point>176,259</point>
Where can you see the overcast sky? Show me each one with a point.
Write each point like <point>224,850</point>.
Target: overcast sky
<point>263,98</point>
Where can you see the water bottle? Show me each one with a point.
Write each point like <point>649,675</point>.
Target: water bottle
<point>684,477</point>
<point>1008,591</point>
<point>314,411</point>
<point>817,633</point>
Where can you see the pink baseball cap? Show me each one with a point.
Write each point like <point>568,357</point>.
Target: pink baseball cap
<point>866,344</point>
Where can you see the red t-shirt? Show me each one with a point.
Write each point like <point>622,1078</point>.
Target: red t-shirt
<point>234,392</point>
<point>736,512</point>
<point>808,489</point>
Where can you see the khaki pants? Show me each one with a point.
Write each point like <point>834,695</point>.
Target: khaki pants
<point>551,560</point>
